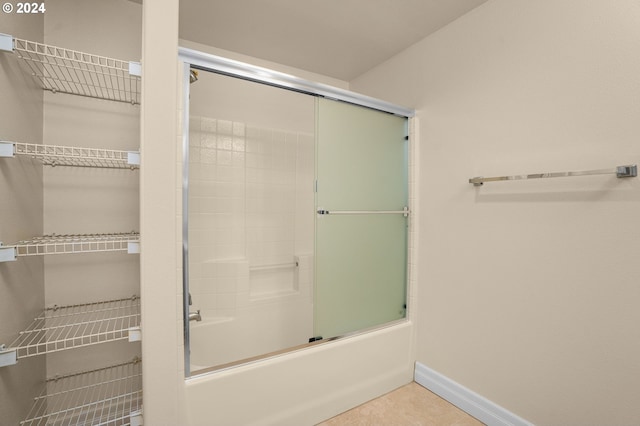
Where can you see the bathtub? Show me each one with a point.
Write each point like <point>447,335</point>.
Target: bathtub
<point>255,331</point>
<point>202,337</point>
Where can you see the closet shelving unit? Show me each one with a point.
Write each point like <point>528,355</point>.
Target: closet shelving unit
<point>106,396</point>
<point>110,395</point>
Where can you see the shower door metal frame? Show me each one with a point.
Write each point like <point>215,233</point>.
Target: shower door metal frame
<point>233,68</point>
<point>186,68</point>
<point>190,58</point>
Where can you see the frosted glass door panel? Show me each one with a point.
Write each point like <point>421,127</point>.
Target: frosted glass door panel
<point>361,252</point>
<point>362,158</point>
<point>361,272</point>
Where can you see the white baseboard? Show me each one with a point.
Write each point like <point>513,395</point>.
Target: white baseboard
<point>465,399</point>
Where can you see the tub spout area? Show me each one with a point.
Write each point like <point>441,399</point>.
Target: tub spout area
<point>195,316</point>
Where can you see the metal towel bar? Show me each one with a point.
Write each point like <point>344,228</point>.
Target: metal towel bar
<point>404,211</point>
<point>620,172</point>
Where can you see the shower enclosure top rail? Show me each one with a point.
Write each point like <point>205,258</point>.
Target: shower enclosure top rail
<point>234,68</point>
<point>619,171</point>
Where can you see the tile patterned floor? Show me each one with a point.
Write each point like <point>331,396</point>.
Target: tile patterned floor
<point>410,405</point>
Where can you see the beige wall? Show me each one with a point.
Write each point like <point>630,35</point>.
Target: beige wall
<point>86,200</point>
<point>21,282</point>
<point>528,290</point>
<point>161,302</point>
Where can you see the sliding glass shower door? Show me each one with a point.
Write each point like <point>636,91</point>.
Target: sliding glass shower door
<point>361,224</point>
<point>295,220</point>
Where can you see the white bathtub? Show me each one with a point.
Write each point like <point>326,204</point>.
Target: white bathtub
<point>257,330</point>
<point>202,336</point>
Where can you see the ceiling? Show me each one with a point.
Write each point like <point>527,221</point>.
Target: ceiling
<point>337,38</point>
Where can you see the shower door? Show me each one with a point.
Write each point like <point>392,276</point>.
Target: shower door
<point>276,251</point>
<point>361,224</point>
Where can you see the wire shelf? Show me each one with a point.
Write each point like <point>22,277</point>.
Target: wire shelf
<point>78,73</point>
<point>56,155</point>
<point>76,243</point>
<point>71,244</point>
<point>105,396</point>
<point>66,327</point>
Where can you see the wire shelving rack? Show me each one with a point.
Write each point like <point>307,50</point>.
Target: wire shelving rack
<point>58,155</point>
<point>60,328</point>
<point>72,244</point>
<point>106,396</point>
<point>61,70</point>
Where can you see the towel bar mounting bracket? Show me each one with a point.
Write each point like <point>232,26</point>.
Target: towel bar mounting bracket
<point>627,171</point>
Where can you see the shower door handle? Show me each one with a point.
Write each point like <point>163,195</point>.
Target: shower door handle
<point>404,211</point>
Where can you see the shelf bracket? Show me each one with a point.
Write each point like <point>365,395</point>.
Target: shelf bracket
<point>135,68</point>
<point>7,254</point>
<point>135,334</point>
<point>133,158</point>
<point>133,247</point>
<point>7,149</point>
<point>627,171</point>
<point>8,356</point>
<point>6,42</point>
<point>135,418</point>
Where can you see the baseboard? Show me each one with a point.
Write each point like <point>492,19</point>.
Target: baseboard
<point>465,399</point>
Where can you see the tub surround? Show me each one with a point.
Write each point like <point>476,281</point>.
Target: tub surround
<point>304,387</point>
